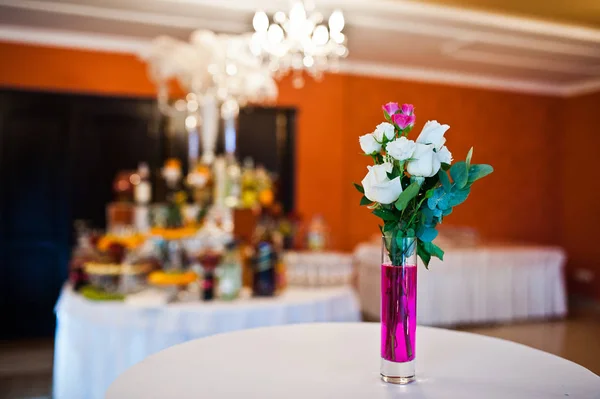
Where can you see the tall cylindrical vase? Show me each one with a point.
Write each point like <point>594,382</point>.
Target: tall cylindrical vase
<point>398,309</point>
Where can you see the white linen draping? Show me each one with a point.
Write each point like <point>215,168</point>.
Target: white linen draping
<point>97,341</point>
<point>324,361</point>
<point>476,285</point>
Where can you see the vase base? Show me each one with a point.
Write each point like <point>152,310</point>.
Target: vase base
<point>397,373</point>
<point>397,380</point>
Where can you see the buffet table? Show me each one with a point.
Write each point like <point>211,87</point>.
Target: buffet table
<point>97,341</point>
<point>480,284</point>
<point>342,361</point>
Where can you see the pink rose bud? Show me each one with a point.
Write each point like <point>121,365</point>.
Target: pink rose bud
<point>390,108</point>
<point>408,109</point>
<point>403,121</point>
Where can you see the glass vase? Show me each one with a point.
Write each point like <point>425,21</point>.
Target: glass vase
<point>398,309</point>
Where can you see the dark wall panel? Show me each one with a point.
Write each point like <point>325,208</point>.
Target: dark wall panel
<point>59,154</point>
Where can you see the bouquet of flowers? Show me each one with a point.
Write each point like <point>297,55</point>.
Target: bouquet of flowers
<point>412,185</point>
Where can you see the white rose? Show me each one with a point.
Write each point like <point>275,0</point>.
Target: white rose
<point>378,187</point>
<point>425,162</point>
<point>401,149</point>
<point>433,133</point>
<point>384,129</point>
<point>368,144</point>
<point>430,152</point>
<point>444,155</point>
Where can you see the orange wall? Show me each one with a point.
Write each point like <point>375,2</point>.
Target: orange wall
<point>516,133</point>
<point>59,69</point>
<point>581,192</point>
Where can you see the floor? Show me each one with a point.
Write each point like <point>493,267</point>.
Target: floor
<point>576,338</point>
<point>26,367</point>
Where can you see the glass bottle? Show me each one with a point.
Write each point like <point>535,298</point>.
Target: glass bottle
<point>142,194</point>
<point>143,189</point>
<point>316,239</point>
<point>209,260</point>
<point>264,262</point>
<point>230,273</point>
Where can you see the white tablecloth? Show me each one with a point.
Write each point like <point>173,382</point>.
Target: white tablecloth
<point>97,341</point>
<point>342,361</point>
<point>476,285</point>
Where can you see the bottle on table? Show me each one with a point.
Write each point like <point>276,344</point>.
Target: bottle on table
<point>84,252</point>
<point>142,191</point>
<point>120,214</point>
<point>316,238</point>
<point>264,263</point>
<point>233,187</point>
<point>142,194</point>
<point>209,261</point>
<point>230,273</point>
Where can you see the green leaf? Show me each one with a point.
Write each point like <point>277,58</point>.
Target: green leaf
<point>410,233</point>
<point>442,201</point>
<point>456,198</point>
<point>437,196</point>
<point>399,238</point>
<point>359,188</point>
<point>445,166</point>
<point>426,234</point>
<point>423,254</point>
<point>428,213</point>
<point>365,201</point>
<point>385,214</point>
<point>393,174</point>
<point>476,172</point>
<point>459,174</point>
<point>407,195</point>
<point>445,181</point>
<point>446,212</point>
<point>433,250</point>
<point>429,193</point>
<point>469,156</point>
<point>389,227</point>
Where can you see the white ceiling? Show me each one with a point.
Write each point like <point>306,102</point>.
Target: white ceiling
<point>386,37</point>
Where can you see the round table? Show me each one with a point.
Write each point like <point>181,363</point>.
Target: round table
<point>342,361</point>
<point>97,341</point>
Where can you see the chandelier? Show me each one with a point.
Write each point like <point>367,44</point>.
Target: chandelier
<point>299,41</point>
<point>218,74</point>
<point>210,65</point>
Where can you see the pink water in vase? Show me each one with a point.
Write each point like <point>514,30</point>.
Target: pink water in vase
<point>398,312</point>
<point>398,309</point>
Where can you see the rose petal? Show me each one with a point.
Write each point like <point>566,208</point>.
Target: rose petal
<point>390,108</point>
<point>408,109</point>
<point>403,121</point>
<point>433,133</point>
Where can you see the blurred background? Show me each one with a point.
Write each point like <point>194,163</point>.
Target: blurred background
<point>164,163</point>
